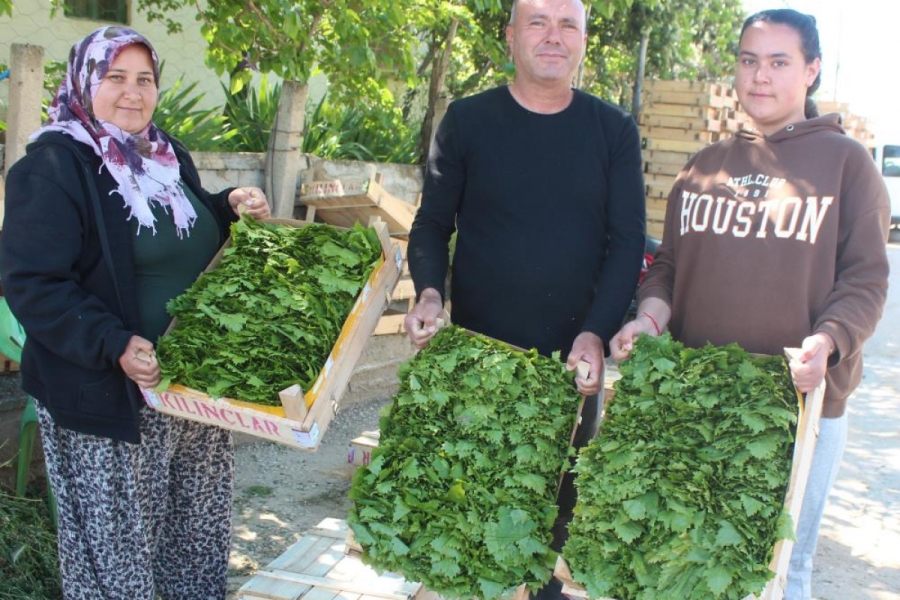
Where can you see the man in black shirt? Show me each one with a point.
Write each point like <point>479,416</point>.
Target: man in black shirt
<point>543,185</point>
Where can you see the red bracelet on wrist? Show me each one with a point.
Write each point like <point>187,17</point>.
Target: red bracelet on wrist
<point>652,320</point>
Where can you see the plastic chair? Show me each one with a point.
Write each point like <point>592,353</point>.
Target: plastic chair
<point>12,339</point>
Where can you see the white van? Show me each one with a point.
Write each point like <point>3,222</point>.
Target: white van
<point>887,156</point>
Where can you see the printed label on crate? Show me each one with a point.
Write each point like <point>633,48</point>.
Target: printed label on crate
<point>213,412</point>
<point>398,258</point>
<point>328,364</point>
<point>364,295</point>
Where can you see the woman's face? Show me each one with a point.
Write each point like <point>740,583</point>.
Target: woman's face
<point>773,76</point>
<point>127,95</point>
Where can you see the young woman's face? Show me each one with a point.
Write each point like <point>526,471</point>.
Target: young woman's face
<point>773,76</point>
<point>127,95</point>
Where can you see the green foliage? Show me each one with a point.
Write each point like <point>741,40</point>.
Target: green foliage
<point>28,562</point>
<point>251,112</point>
<point>682,495</point>
<point>688,39</point>
<point>6,8</point>
<point>204,130</point>
<point>270,312</point>
<point>359,131</point>
<point>461,491</point>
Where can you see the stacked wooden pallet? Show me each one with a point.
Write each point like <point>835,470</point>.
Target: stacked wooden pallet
<point>856,126</point>
<point>677,119</point>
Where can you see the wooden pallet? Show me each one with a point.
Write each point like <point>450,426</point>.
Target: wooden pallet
<point>317,567</point>
<point>344,203</point>
<point>804,448</point>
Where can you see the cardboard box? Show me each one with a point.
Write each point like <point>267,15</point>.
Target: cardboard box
<point>304,416</point>
<point>804,448</point>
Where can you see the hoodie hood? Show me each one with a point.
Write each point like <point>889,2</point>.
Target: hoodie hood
<point>829,122</point>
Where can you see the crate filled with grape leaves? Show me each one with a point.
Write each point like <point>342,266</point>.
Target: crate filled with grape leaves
<point>266,339</point>
<point>694,486</point>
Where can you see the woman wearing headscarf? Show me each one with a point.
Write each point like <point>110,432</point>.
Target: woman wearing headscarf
<point>106,221</point>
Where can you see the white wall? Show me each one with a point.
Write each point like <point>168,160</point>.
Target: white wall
<point>183,53</point>
<point>31,23</point>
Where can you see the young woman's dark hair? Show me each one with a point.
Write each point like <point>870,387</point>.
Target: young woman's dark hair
<point>805,26</point>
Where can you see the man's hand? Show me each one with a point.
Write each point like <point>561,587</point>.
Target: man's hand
<point>589,348</point>
<point>422,321</point>
<point>249,200</point>
<point>139,362</point>
<point>808,368</point>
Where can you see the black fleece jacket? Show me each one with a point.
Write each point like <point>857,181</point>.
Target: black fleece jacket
<point>69,280</point>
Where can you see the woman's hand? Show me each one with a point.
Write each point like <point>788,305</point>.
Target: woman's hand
<point>249,200</point>
<point>139,362</point>
<point>809,366</point>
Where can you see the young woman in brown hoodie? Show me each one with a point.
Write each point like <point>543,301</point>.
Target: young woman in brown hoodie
<point>776,238</point>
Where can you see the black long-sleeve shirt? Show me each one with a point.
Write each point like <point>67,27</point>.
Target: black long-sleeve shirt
<point>549,211</point>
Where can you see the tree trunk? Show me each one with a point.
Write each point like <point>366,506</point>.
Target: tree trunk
<point>436,86</point>
<point>639,81</point>
<point>283,159</point>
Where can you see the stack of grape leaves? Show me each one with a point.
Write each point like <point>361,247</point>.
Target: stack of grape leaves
<point>460,493</point>
<point>268,314</point>
<point>682,494</point>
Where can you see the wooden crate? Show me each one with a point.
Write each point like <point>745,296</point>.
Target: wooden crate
<point>304,415</point>
<point>8,365</point>
<point>804,448</point>
<point>344,203</point>
<point>317,567</point>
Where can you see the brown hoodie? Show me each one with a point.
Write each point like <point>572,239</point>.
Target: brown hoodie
<point>771,239</point>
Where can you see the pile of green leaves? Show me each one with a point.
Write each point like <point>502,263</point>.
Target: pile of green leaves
<point>270,312</point>
<point>682,495</point>
<point>28,563</point>
<point>460,494</point>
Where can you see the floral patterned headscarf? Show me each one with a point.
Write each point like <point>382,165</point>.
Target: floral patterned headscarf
<point>143,164</point>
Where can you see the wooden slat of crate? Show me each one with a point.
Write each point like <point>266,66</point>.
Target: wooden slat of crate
<point>346,209</point>
<point>673,122</point>
<point>669,133</point>
<point>316,567</point>
<point>699,99</point>
<point>657,192</point>
<point>656,179</point>
<point>673,145</point>
<point>666,157</point>
<point>653,168</point>
<point>655,228</point>
<point>684,110</point>
<point>681,85</point>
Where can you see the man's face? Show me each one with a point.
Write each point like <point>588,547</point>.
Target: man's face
<point>547,40</point>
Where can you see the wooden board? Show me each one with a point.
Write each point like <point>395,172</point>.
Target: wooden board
<point>689,123</point>
<point>304,415</point>
<point>684,110</point>
<point>343,204</point>
<point>317,567</point>
<point>673,145</point>
<point>669,133</point>
<point>650,98</point>
<point>804,448</point>
<point>653,168</point>
<point>682,85</point>
<point>666,157</point>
